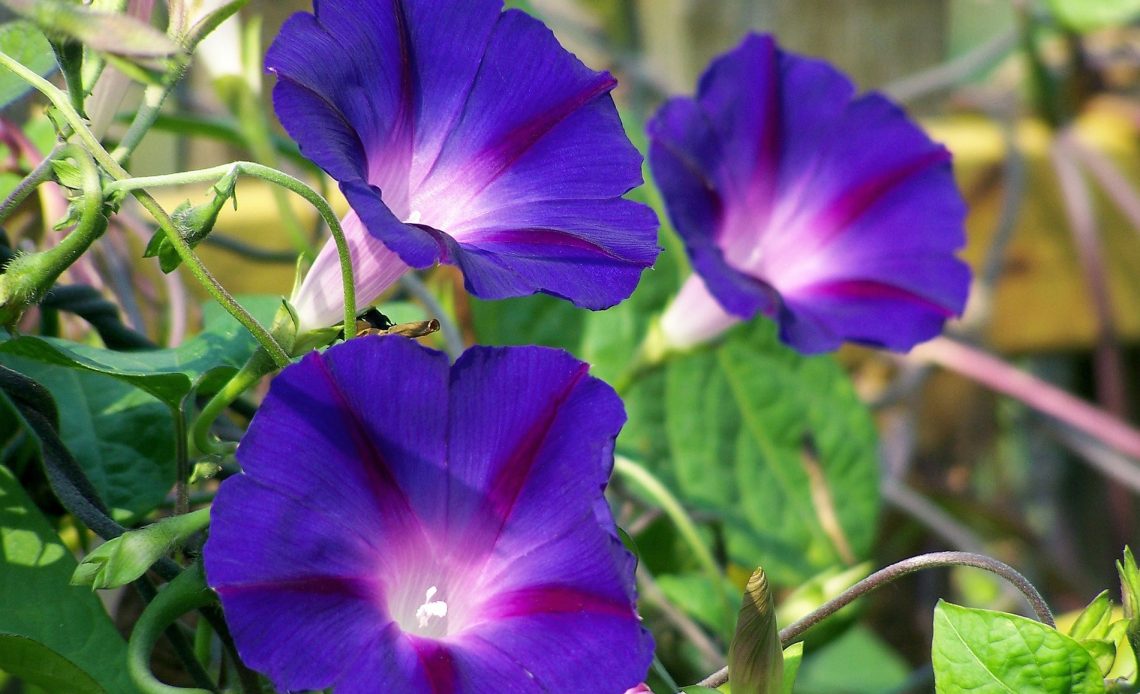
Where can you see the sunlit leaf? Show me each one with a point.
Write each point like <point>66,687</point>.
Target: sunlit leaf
<point>779,446</point>
<point>167,374</point>
<point>793,657</point>
<point>982,651</point>
<point>40,604</point>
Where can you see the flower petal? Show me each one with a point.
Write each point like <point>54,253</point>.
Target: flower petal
<point>319,300</point>
<point>839,218</point>
<point>370,485</point>
<point>439,143</point>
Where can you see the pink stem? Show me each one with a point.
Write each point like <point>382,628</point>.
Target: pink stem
<point>1004,378</point>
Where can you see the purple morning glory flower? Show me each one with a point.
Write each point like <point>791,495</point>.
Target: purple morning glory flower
<point>832,214</point>
<point>465,135</point>
<point>403,526</point>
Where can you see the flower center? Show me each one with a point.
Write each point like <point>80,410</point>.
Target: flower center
<point>430,609</point>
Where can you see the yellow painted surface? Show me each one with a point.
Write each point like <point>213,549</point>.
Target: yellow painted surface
<point>1042,302</point>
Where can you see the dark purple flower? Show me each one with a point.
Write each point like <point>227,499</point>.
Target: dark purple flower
<point>466,135</point>
<point>834,215</point>
<point>403,526</point>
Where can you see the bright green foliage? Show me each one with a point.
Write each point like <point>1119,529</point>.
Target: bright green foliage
<point>167,374</point>
<point>793,657</point>
<point>781,447</point>
<point>40,605</point>
<point>982,651</point>
<point>25,43</point>
<point>1087,15</point>
<point>755,657</point>
<point>1130,595</point>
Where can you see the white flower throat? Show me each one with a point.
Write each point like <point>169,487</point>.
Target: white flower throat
<point>430,609</point>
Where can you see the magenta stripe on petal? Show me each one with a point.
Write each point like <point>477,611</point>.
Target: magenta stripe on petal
<point>505,488</point>
<point>421,526</point>
<point>781,182</point>
<point>550,600</point>
<point>438,665</point>
<point>856,201</point>
<point>431,114</point>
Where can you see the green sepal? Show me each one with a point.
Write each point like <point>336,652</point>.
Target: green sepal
<point>193,222</point>
<point>793,658</point>
<point>124,559</point>
<point>1095,620</point>
<point>1130,596</point>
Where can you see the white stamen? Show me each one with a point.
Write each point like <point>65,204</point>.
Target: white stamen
<point>430,609</point>
<point>414,217</point>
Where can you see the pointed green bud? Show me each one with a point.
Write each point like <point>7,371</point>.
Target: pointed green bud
<point>755,657</point>
<point>1130,596</point>
<point>119,561</point>
<point>1094,621</point>
<point>193,222</point>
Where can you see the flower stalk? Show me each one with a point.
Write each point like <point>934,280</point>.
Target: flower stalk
<point>882,577</point>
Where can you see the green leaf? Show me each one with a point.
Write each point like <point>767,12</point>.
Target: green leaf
<point>982,651</point>
<point>824,586</point>
<point>697,596</point>
<point>118,34</point>
<point>36,664</point>
<point>167,374</point>
<point>40,604</point>
<point>1088,15</point>
<point>23,42</point>
<point>536,320</point>
<point>1094,620</point>
<point>1103,653</point>
<point>779,445</point>
<point>858,662</point>
<point>755,656</point>
<point>793,657</point>
<point>1130,596</point>
<point>122,437</point>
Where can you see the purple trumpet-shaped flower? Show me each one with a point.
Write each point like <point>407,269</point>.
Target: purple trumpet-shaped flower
<point>465,135</point>
<point>832,214</point>
<point>403,526</point>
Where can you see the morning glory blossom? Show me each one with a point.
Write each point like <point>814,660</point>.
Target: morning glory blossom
<point>831,213</point>
<point>466,135</point>
<point>405,526</point>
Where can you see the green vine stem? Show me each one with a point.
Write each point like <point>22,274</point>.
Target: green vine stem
<point>278,178</point>
<point>893,573</point>
<point>29,276</point>
<point>155,95</point>
<point>24,188</point>
<point>247,377</point>
<point>113,168</point>
<point>185,593</point>
<point>673,508</point>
